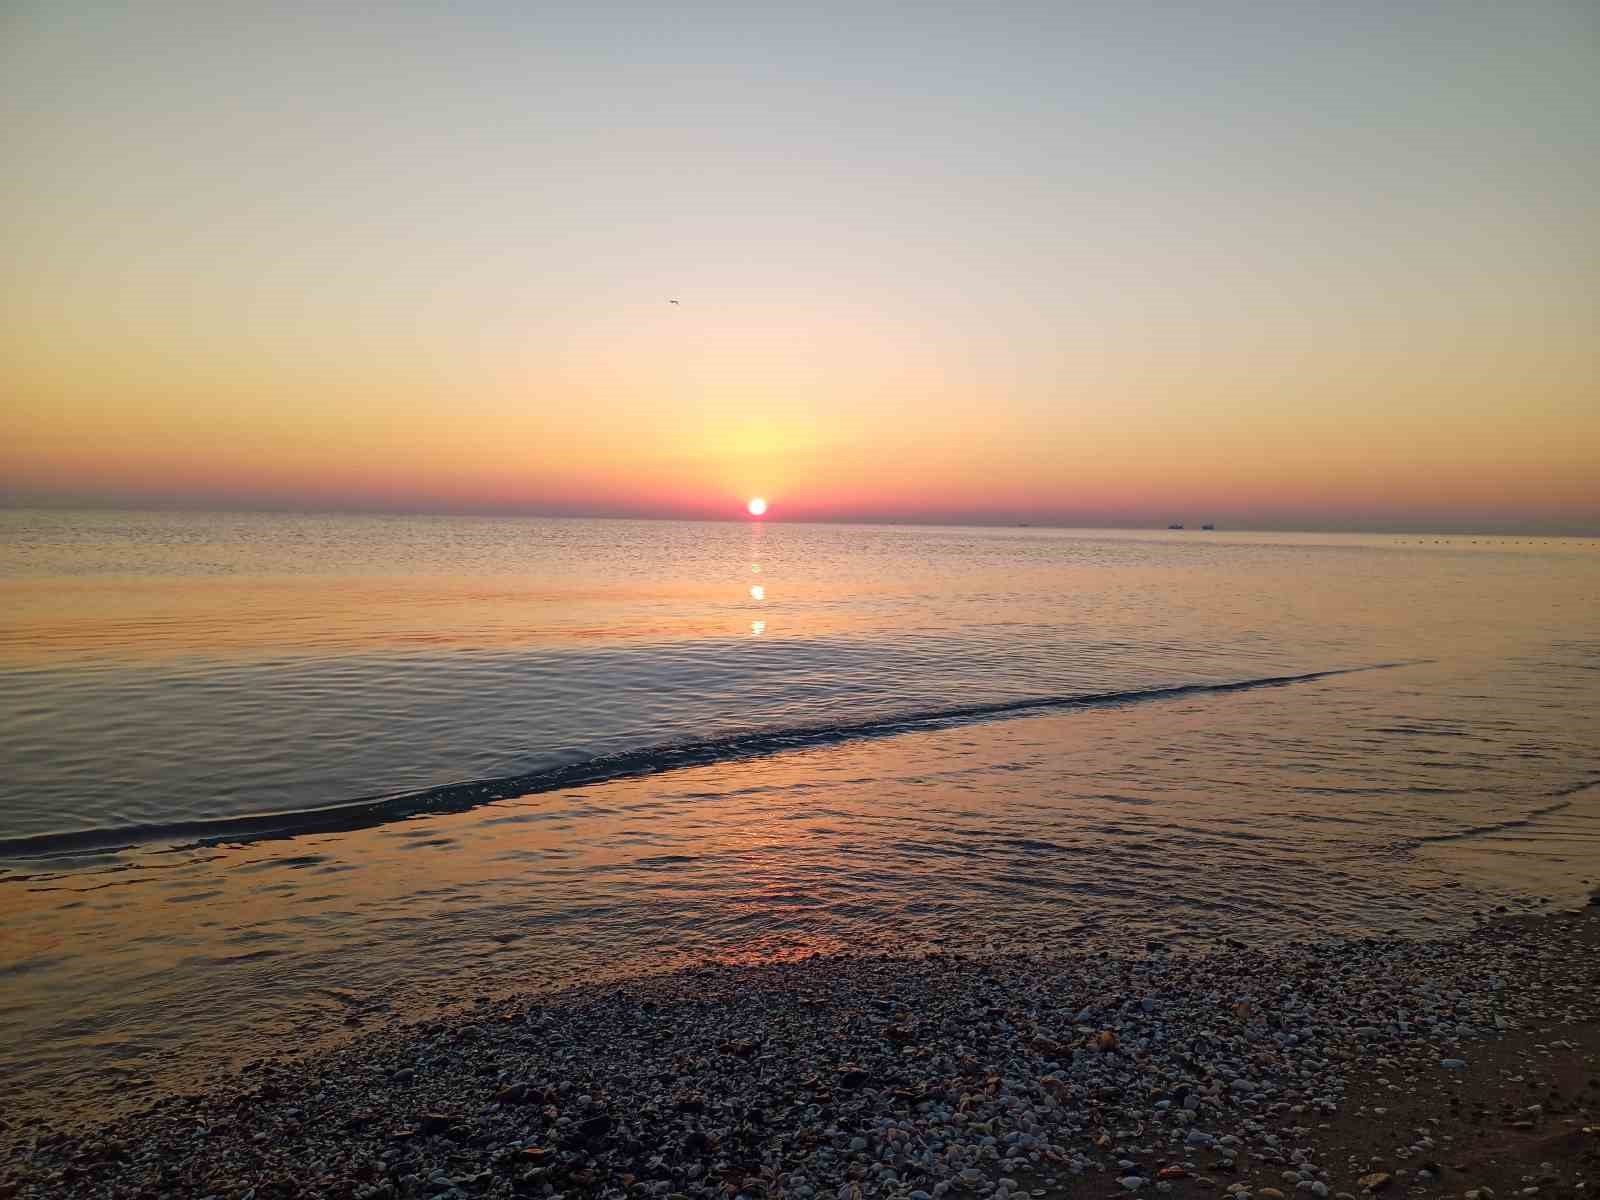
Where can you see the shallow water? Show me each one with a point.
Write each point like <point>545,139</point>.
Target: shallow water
<point>775,726</point>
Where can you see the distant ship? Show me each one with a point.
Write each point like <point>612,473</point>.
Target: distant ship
<point>1208,527</point>
<point>1174,526</point>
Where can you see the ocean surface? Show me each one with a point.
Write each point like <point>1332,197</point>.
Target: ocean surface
<point>270,779</point>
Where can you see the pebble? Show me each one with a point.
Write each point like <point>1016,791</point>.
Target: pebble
<point>924,1078</point>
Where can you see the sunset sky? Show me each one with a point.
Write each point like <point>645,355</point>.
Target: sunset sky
<point>1279,265</point>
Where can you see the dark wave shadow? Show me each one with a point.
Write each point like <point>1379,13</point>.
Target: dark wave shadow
<point>457,797</point>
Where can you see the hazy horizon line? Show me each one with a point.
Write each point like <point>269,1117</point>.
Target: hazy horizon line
<point>737,516</point>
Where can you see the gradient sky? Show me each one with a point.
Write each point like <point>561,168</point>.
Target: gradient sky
<point>1306,265</point>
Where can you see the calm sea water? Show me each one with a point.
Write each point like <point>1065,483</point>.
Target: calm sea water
<point>268,778</point>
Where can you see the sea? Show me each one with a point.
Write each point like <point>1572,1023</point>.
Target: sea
<point>267,781</point>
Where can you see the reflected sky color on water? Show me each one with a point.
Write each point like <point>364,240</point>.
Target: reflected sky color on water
<point>179,668</point>
<point>189,668</point>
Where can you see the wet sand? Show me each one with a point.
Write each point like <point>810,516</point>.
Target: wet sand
<point>1382,1065</point>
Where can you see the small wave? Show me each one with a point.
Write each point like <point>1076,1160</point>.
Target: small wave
<point>1573,790</point>
<point>460,796</point>
<point>1493,827</point>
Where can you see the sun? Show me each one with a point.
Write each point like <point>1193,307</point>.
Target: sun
<point>757,506</point>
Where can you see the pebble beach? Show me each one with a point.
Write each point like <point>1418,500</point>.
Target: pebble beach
<point>1464,1066</point>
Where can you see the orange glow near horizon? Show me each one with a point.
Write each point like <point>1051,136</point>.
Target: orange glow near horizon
<point>1307,433</point>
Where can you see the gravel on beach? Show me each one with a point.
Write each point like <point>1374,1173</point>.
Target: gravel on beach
<point>1464,1066</point>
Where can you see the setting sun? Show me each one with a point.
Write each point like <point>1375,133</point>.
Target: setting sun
<point>757,506</point>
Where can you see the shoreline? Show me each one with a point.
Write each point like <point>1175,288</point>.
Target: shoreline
<point>1302,1069</point>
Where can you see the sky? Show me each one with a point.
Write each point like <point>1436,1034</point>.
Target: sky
<point>1273,264</point>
